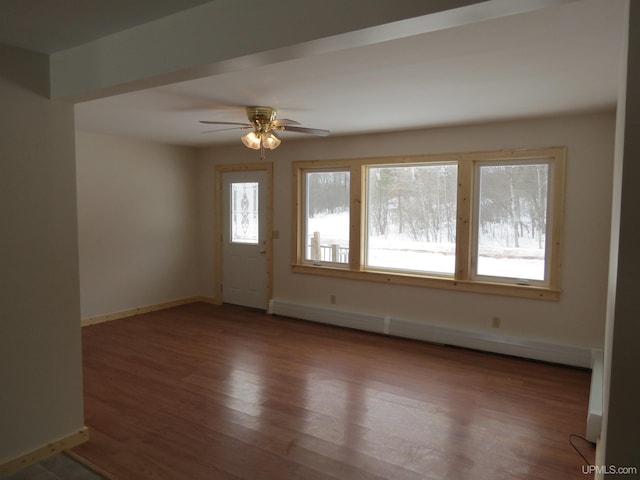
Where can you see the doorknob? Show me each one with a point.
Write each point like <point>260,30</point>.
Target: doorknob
<point>263,251</point>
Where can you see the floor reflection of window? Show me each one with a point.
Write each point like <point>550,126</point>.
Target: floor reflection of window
<point>246,390</point>
<point>244,212</point>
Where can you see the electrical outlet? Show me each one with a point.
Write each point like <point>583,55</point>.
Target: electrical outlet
<point>495,322</point>
<point>332,299</point>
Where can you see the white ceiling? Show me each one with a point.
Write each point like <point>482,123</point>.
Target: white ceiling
<point>557,60</point>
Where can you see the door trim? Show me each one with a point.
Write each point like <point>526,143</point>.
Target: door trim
<point>219,231</point>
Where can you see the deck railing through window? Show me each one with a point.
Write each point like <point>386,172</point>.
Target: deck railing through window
<point>333,252</point>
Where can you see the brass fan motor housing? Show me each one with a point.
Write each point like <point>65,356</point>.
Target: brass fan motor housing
<point>261,115</point>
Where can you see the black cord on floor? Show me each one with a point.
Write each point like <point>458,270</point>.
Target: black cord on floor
<point>571,435</point>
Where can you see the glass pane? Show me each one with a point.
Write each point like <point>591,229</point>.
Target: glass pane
<point>327,217</point>
<point>244,213</point>
<point>512,221</point>
<point>411,217</point>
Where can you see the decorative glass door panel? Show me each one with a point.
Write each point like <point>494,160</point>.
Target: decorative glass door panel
<point>245,217</point>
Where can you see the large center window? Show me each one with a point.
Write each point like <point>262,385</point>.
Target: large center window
<point>411,217</point>
<point>487,222</point>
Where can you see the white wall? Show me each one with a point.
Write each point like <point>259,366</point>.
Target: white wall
<point>621,421</point>
<point>577,319</point>
<point>138,223</point>
<point>40,347</point>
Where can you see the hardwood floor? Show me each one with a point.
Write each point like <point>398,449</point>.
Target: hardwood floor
<point>222,392</point>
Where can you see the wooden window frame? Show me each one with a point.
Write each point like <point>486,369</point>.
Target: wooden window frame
<point>464,278</point>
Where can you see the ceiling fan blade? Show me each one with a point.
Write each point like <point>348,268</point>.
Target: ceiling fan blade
<point>310,131</point>
<point>225,129</point>
<point>224,123</point>
<point>282,122</point>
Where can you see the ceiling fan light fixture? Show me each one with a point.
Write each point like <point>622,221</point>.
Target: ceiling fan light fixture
<point>264,125</point>
<point>251,140</point>
<point>270,141</point>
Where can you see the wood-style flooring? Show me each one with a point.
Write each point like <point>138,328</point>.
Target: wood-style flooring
<point>223,392</point>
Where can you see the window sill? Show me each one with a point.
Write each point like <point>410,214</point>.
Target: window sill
<point>489,288</point>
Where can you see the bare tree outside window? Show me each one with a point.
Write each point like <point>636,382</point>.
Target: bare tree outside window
<point>487,222</point>
<point>411,217</point>
<point>512,226</point>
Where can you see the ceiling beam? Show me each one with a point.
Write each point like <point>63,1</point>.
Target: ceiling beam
<point>224,36</point>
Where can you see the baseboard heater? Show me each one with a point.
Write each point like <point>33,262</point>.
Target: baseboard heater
<point>411,328</point>
<point>594,415</point>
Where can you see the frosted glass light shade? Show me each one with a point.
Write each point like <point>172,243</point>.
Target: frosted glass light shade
<point>251,140</point>
<point>270,141</point>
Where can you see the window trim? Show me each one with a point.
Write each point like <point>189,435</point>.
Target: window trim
<point>463,279</point>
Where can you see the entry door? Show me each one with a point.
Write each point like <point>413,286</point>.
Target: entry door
<point>244,243</point>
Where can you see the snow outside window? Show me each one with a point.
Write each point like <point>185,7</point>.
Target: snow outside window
<point>485,222</point>
<point>512,226</point>
<point>327,217</point>
<point>411,217</point>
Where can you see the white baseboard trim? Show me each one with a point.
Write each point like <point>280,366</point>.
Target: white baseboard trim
<point>39,454</point>
<point>145,309</point>
<point>384,324</point>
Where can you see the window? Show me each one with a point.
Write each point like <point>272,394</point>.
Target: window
<point>244,212</point>
<point>411,217</point>
<point>488,222</point>
<point>326,216</point>
<point>512,221</point>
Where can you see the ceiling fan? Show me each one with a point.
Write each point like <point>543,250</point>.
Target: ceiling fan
<point>264,125</point>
